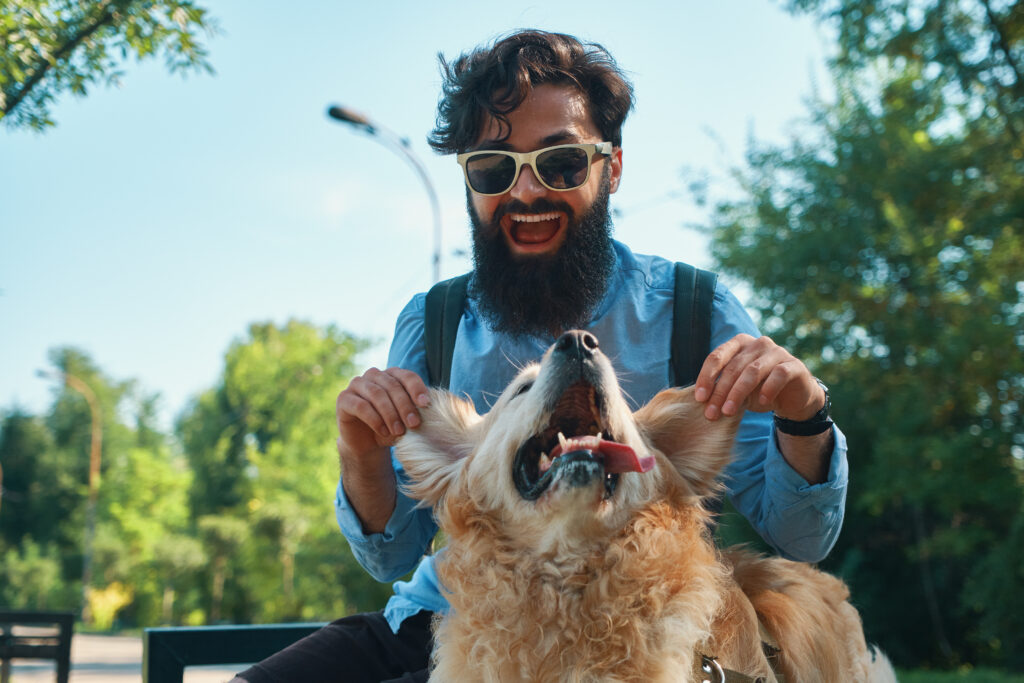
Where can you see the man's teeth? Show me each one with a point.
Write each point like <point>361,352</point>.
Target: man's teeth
<point>533,217</point>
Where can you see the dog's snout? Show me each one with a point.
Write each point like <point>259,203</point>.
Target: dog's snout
<point>576,343</point>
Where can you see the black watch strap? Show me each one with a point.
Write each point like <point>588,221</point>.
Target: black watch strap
<point>820,422</point>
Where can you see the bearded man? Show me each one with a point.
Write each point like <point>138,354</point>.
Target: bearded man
<point>536,121</point>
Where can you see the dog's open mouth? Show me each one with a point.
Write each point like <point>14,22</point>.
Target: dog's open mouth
<point>576,435</point>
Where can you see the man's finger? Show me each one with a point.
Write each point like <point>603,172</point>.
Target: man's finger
<point>781,376</point>
<point>413,384</point>
<point>352,407</point>
<point>713,365</point>
<point>392,399</point>
<point>745,384</point>
<point>368,399</point>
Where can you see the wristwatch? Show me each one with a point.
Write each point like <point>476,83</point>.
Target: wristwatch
<point>818,423</point>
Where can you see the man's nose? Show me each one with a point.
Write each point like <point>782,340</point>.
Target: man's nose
<point>527,187</point>
<point>576,344</point>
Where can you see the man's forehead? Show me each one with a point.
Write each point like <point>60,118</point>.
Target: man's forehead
<point>548,115</point>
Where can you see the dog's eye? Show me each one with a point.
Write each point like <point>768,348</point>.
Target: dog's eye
<point>523,389</point>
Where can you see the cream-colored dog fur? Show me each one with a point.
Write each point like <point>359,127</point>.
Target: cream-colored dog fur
<point>580,585</point>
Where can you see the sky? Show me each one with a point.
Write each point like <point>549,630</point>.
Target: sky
<point>160,218</point>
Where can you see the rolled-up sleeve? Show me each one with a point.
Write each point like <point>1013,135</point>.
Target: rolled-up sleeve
<point>800,520</point>
<point>395,551</point>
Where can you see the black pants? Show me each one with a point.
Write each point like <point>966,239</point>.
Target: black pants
<point>356,649</point>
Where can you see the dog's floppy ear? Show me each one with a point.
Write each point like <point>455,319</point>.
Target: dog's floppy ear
<point>433,453</point>
<point>699,449</point>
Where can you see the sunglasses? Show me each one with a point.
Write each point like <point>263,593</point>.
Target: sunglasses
<point>559,168</point>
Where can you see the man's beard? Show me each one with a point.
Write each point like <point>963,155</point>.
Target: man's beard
<point>543,294</point>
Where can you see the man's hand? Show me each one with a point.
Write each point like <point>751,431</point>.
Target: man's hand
<point>772,379</point>
<point>760,370</point>
<point>373,411</point>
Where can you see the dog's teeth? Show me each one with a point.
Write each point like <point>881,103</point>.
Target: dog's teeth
<point>564,442</point>
<point>545,463</point>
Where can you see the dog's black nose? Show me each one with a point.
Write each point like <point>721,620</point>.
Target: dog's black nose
<point>576,343</point>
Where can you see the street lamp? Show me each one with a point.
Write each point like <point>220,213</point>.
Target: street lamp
<point>95,445</point>
<point>401,145</point>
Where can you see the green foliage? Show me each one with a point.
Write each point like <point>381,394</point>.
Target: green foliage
<point>261,445</point>
<point>28,478</point>
<point>886,249</point>
<point>969,50</point>
<point>48,47</point>
<point>30,578</point>
<point>233,521</point>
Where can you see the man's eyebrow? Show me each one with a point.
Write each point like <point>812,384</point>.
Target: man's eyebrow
<point>558,138</point>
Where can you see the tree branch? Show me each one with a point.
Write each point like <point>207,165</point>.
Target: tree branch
<point>105,16</point>
<point>931,597</point>
<point>1004,47</point>
<point>977,75</point>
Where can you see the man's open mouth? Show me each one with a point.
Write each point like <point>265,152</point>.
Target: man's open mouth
<point>533,230</point>
<point>575,438</point>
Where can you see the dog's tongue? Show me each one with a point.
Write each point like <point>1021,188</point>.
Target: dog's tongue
<point>618,457</point>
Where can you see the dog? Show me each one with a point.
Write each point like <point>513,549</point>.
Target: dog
<point>579,547</point>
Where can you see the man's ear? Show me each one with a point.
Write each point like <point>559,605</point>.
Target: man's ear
<point>433,453</point>
<point>616,172</point>
<point>699,449</point>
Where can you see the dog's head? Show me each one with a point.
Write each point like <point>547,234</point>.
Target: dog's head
<point>560,457</point>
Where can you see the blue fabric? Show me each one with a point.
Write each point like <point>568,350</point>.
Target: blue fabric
<point>633,323</point>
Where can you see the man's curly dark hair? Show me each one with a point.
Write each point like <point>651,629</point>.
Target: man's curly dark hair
<point>495,80</point>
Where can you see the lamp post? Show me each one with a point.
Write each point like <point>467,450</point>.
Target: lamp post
<point>95,445</point>
<point>392,140</point>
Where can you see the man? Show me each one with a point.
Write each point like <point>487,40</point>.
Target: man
<point>536,120</point>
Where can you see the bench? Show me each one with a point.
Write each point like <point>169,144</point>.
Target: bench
<point>167,651</point>
<point>36,635</point>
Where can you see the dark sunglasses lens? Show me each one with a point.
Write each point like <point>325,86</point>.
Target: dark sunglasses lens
<point>490,173</point>
<point>565,168</point>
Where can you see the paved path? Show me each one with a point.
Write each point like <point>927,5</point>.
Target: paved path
<point>109,659</point>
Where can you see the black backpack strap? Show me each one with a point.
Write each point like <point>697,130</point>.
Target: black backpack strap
<point>445,302</point>
<point>691,322</point>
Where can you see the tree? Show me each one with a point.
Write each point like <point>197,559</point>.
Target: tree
<point>262,447</point>
<point>141,504</point>
<point>48,47</point>
<point>886,249</point>
<point>968,50</point>
<point>27,476</point>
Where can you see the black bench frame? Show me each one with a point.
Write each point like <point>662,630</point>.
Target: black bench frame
<point>167,651</point>
<point>36,646</point>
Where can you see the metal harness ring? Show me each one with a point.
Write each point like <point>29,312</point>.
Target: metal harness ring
<point>710,665</point>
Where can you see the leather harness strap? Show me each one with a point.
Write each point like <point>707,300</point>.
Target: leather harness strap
<point>706,668</point>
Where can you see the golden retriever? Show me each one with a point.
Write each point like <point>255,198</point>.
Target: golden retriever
<point>578,548</point>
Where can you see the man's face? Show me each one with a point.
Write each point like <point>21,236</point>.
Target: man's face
<point>542,258</point>
<point>550,115</point>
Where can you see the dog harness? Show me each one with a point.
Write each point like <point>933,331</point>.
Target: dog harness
<point>706,668</point>
<point>694,295</point>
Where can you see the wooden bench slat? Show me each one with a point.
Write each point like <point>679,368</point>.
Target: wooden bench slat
<point>167,651</point>
<point>52,646</point>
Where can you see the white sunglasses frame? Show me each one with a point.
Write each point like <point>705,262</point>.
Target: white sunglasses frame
<point>605,149</point>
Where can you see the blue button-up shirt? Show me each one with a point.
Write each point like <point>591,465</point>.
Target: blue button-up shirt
<point>633,323</point>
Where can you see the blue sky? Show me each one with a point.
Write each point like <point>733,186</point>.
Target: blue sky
<point>160,218</point>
